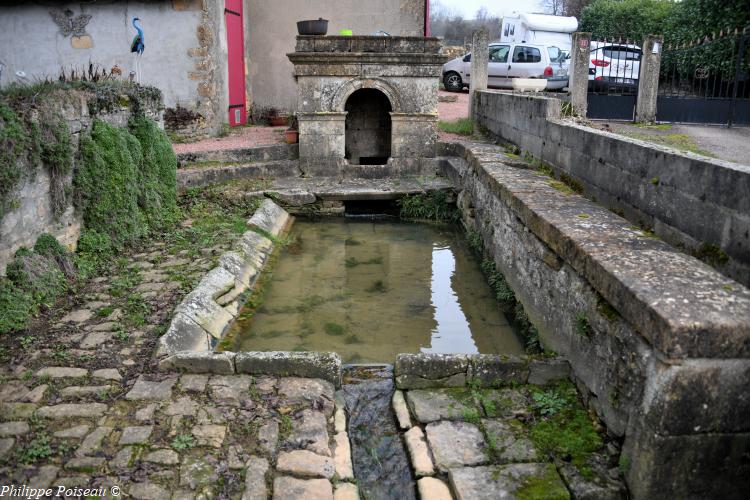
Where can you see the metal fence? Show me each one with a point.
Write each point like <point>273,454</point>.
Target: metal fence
<point>614,66</point>
<point>706,80</point>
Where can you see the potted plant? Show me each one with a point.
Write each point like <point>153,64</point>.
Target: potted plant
<point>291,135</point>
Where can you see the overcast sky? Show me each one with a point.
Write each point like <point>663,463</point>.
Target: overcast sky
<point>498,7</point>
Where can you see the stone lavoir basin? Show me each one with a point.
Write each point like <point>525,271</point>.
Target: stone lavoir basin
<point>371,289</point>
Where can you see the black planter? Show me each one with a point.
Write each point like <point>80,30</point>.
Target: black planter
<point>313,27</point>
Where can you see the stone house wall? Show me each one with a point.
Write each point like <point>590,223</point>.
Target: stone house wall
<point>184,56</point>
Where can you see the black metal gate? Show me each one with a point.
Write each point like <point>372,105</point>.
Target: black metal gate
<point>613,79</point>
<point>706,81</point>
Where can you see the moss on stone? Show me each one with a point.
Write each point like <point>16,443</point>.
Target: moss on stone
<point>547,486</point>
<point>568,433</point>
<point>711,254</point>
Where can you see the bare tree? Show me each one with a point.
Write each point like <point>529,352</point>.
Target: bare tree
<point>554,7</point>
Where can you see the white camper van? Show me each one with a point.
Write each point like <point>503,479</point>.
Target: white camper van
<point>539,29</point>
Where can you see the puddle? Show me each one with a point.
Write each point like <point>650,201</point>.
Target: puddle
<point>369,290</point>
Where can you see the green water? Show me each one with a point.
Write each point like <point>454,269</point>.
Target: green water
<point>369,290</point>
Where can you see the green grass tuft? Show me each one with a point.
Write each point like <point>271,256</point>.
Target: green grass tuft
<point>462,126</point>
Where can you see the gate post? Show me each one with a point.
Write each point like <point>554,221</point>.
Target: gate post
<point>578,78</point>
<point>480,55</point>
<point>648,78</point>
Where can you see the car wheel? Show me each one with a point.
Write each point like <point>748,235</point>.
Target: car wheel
<point>453,82</point>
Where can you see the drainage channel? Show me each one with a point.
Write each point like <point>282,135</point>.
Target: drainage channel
<point>380,462</point>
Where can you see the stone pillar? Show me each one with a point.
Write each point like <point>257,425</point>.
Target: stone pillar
<point>413,135</point>
<point>321,135</point>
<point>578,82</point>
<point>480,55</point>
<point>648,78</point>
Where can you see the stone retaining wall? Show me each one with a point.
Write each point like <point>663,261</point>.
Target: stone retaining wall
<point>658,341</point>
<point>33,213</point>
<point>689,200</point>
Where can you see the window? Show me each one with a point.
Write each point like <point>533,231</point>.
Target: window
<point>499,53</point>
<point>626,53</point>
<point>505,32</point>
<point>512,29</point>
<point>555,54</point>
<point>523,54</point>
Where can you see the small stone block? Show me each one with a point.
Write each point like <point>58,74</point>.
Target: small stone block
<point>255,479</point>
<point>62,372</point>
<point>303,463</point>
<point>422,371</point>
<point>346,491</point>
<point>200,362</point>
<point>154,391</point>
<point>342,454</point>
<point>433,489</point>
<point>136,435</point>
<point>456,444</point>
<point>322,365</point>
<point>401,410</point>
<point>285,487</point>
<point>193,383</point>
<point>544,371</point>
<point>490,370</point>
<point>419,453</point>
<point>107,374</point>
<point>88,410</point>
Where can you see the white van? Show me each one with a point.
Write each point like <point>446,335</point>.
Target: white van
<point>508,61</point>
<point>539,29</point>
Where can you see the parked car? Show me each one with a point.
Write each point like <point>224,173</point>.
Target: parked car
<point>614,66</point>
<point>508,61</point>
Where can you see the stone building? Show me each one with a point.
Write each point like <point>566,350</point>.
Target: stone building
<point>212,59</point>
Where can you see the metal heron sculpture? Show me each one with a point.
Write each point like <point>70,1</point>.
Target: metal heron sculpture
<point>138,47</point>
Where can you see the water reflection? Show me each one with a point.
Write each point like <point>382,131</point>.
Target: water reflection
<point>370,290</point>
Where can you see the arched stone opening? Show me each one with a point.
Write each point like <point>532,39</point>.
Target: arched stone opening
<point>368,127</point>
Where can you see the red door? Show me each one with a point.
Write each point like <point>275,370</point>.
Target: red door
<point>235,62</point>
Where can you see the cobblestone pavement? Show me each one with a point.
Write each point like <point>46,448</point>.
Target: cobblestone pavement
<point>495,443</point>
<point>241,137</point>
<point>82,404</point>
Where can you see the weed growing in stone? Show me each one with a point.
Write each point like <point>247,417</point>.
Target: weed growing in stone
<point>434,205</point>
<point>183,442</point>
<point>583,327</point>
<point>547,403</point>
<point>40,447</point>
<point>568,432</point>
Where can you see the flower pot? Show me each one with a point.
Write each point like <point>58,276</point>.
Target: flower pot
<point>313,27</point>
<point>291,136</point>
<point>278,121</point>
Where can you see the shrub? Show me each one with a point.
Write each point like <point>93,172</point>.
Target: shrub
<point>158,174</point>
<point>107,184</point>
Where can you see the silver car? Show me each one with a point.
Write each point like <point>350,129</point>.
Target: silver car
<point>508,61</point>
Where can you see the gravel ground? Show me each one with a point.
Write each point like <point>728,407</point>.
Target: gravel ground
<point>242,137</point>
<point>731,144</point>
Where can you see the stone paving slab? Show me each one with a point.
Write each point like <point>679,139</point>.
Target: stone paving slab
<point>431,405</point>
<point>456,444</point>
<point>514,481</point>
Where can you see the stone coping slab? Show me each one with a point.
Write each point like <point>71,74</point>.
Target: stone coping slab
<point>680,305</point>
<point>427,371</point>
<point>203,316</point>
<point>316,365</point>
